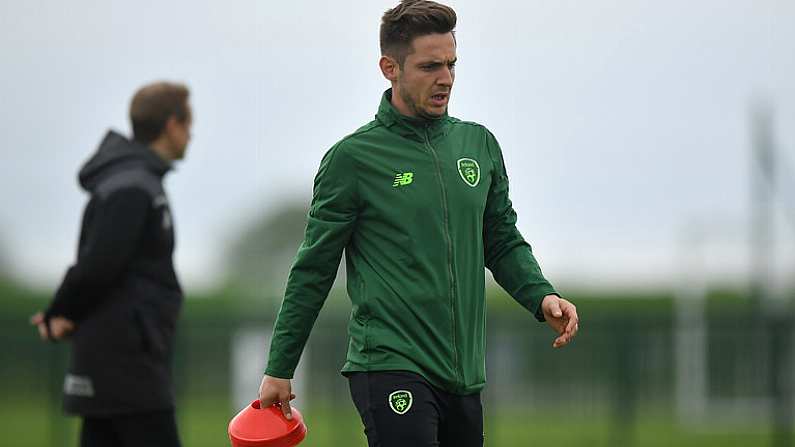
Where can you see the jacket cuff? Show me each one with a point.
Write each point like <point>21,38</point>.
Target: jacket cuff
<point>538,312</point>
<point>60,308</point>
<point>279,374</point>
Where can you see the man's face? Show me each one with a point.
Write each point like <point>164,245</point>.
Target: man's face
<point>425,80</point>
<point>179,135</point>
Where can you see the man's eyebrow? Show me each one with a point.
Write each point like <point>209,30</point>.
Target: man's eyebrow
<point>437,62</point>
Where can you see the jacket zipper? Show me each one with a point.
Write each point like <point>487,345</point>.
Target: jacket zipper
<point>449,250</point>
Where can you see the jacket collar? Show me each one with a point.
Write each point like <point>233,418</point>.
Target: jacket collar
<point>410,127</point>
<point>154,162</point>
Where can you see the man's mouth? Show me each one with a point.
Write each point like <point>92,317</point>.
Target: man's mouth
<point>440,98</point>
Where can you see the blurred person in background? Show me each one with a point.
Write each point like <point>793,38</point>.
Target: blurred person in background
<point>418,201</point>
<point>120,301</point>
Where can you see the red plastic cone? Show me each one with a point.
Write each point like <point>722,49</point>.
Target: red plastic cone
<point>266,427</point>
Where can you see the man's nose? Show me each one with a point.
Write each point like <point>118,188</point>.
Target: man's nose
<point>446,77</point>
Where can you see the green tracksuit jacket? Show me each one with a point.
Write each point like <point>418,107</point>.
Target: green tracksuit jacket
<point>420,207</point>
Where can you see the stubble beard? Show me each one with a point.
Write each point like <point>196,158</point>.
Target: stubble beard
<point>415,107</point>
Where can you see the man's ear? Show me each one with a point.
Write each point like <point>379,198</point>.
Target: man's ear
<point>171,122</point>
<point>389,68</point>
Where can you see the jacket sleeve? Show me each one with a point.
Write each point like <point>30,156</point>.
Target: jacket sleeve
<point>509,258</point>
<point>112,235</point>
<point>332,217</point>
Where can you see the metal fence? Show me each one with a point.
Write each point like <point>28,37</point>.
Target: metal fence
<point>632,378</point>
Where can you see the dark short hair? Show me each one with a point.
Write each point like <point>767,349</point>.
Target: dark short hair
<point>411,19</point>
<point>152,106</point>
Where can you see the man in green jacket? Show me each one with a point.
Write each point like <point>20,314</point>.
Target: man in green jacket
<point>418,200</point>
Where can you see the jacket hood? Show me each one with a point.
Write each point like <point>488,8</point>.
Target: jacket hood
<point>117,153</point>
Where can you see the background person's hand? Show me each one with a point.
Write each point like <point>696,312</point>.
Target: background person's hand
<point>274,390</point>
<point>561,315</point>
<point>60,327</point>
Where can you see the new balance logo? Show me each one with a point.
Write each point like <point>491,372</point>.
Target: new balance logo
<point>403,179</point>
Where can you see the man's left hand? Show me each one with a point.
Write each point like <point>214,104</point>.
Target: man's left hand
<point>561,315</point>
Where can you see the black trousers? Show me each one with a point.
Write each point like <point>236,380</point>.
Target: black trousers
<point>400,409</point>
<point>154,429</point>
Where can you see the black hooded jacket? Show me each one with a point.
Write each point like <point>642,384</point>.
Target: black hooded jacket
<point>122,292</point>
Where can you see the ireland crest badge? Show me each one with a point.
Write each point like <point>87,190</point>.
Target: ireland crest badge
<point>470,171</point>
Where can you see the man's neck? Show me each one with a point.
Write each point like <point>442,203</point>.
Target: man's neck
<point>161,148</point>
<point>400,106</point>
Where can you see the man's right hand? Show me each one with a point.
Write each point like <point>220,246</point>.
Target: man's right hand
<point>274,390</point>
<point>60,327</point>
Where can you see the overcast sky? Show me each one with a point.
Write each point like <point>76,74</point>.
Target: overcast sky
<point>624,124</point>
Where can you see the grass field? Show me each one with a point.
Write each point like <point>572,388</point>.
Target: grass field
<point>203,421</point>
